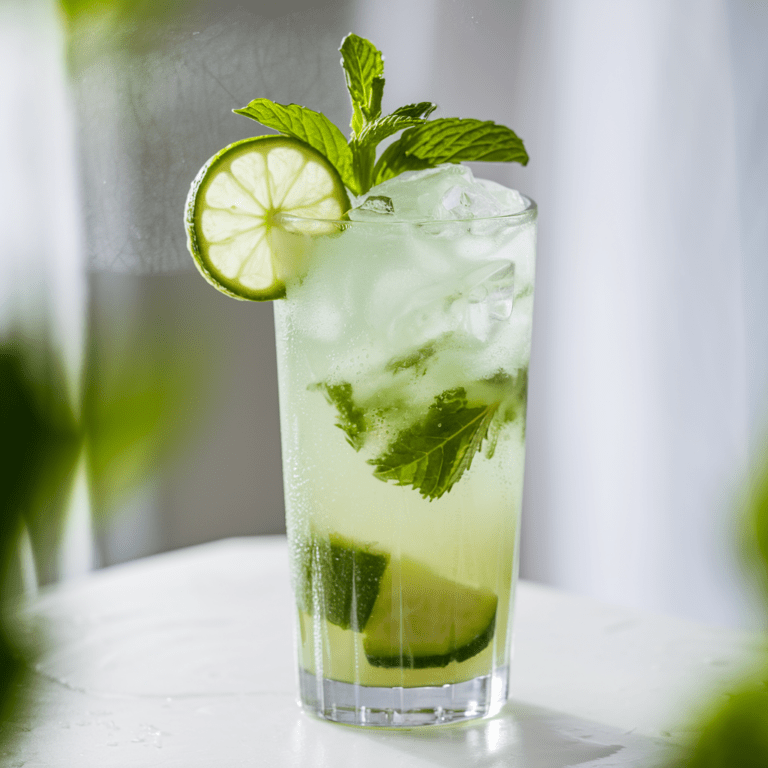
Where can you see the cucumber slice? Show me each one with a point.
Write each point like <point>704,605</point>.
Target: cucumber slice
<point>422,620</point>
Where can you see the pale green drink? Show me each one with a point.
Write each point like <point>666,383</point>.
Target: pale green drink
<point>403,360</point>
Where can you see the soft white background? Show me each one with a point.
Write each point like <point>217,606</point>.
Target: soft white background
<point>646,123</point>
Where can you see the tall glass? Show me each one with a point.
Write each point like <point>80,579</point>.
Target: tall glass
<point>403,363</point>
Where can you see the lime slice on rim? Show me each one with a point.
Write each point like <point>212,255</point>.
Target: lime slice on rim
<point>234,207</point>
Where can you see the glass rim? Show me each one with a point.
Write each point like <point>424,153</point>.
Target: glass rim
<point>530,211</point>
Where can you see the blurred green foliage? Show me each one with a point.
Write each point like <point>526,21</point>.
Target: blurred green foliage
<point>122,28</point>
<point>41,442</point>
<point>130,416</point>
<point>754,542</point>
<point>135,404</point>
<point>122,10</point>
<point>735,734</point>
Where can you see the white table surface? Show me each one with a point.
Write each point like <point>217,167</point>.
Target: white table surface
<point>186,659</point>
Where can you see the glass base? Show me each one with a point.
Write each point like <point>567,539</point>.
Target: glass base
<point>354,704</point>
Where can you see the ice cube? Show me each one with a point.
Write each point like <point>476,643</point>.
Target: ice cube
<point>488,295</point>
<point>508,201</point>
<point>449,191</point>
<point>469,201</point>
<point>456,199</point>
<point>473,303</point>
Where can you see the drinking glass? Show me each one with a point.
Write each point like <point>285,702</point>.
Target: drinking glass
<point>403,365</point>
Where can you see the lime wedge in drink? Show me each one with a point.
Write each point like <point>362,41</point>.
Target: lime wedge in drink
<point>234,208</point>
<point>422,620</point>
<point>340,578</point>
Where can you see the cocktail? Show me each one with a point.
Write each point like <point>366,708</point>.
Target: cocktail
<point>403,322</point>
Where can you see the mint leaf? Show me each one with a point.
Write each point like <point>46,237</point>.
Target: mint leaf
<point>432,454</point>
<point>421,109</point>
<point>351,418</point>
<point>450,140</point>
<point>513,390</point>
<point>306,125</point>
<point>415,360</point>
<point>393,161</point>
<point>424,144</point>
<point>382,127</point>
<point>518,400</point>
<point>364,71</point>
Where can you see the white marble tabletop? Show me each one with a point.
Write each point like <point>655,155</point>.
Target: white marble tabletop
<point>186,659</point>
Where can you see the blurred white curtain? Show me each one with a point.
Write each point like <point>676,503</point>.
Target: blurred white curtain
<point>649,382</point>
<point>42,273</point>
<point>646,123</point>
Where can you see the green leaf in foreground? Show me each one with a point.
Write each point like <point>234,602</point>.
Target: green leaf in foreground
<point>308,126</point>
<point>432,454</point>
<point>351,419</point>
<point>449,140</point>
<point>737,735</point>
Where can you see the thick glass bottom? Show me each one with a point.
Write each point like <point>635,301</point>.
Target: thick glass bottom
<point>354,704</point>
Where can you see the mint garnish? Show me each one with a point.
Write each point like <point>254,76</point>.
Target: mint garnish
<point>449,140</point>
<point>432,454</point>
<point>424,143</point>
<point>351,419</point>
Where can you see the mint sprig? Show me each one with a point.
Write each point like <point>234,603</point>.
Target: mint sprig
<point>423,144</point>
<point>432,454</point>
